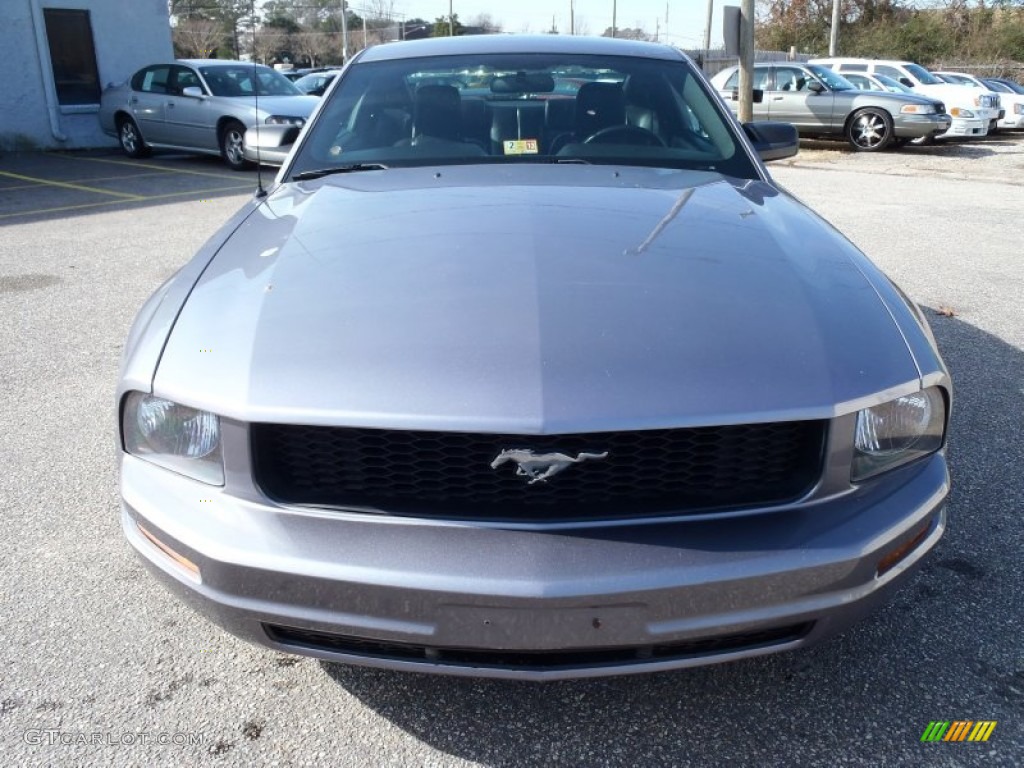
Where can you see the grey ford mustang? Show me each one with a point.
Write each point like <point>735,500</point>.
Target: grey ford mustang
<point>525,367</point>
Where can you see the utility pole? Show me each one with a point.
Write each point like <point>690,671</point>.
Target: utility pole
<point>572,17</point>
<point>344,32</point>
<point>833,38</point>
<point>451,19</point>
<point>707,29</point>
<point>615,29</point>
<point>746,89</point>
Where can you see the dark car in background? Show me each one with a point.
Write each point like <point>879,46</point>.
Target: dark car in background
<point>315,83</point>
<point>200,105</point>
<point>525,367</point>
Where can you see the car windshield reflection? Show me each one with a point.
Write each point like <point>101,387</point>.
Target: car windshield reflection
<point>522,108</point>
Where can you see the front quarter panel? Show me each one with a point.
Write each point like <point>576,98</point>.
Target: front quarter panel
<point>153,323</point>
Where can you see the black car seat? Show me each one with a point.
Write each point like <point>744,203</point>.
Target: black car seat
<point>598,106</point>
<point>437,113</point>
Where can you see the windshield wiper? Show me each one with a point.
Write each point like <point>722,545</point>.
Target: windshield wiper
<point>351,168</point>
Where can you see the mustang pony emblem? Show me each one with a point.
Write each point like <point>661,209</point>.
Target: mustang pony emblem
<point>540,466</point>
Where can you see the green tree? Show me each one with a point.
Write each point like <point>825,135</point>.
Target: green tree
<point>441,27</point>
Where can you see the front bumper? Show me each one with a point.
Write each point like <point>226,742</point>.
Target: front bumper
<point>483,601</point>
<point>1012,121</point>
<point>966,127</point>
<point>917,126</point>
<point>275,157</point>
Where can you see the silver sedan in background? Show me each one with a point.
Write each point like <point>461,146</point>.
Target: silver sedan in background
<point>822,103</point>
<point>200,105</point>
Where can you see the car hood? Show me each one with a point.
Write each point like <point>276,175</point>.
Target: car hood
<point>291,106</point>
<point>532,299</point>
<point>952,95</point>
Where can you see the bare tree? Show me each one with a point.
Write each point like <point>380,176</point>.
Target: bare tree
<point>314,46</point>
<point>380,10</point>
<point>196,38</point>
<point>487,23</point>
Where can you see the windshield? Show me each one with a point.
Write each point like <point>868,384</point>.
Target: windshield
<point>1015,87</point>
<point>237,80</point>
<point>922,75</point>
<point>522,108</point>
<point>831,78</point>
<point>892,84</point>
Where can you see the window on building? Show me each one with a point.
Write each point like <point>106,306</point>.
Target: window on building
<point>72,55</point>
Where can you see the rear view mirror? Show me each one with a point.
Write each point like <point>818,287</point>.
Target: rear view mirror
<point>773,141</point>
<point>523,82</point>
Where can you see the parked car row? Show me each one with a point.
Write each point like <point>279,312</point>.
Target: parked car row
<point>207,106</point>
<point>877,104</point>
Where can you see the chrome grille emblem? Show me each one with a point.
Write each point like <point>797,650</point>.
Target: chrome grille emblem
<point>540,466</point>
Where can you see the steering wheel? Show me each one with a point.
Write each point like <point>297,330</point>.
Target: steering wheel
<point>625,134</point>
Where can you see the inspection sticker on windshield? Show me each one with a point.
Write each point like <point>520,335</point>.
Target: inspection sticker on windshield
<point>521,147</point>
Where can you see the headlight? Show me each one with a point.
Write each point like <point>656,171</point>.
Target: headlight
<point>961,112</point>
<point>901,430</point>
<point>918,109</point>
<point>285,120</point>
<point>176,437</point>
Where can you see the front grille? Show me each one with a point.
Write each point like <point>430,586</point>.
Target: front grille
<point>303,639</point>
<point>449,474</point>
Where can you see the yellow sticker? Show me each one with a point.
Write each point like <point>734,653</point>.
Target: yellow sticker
<point>521,147</point>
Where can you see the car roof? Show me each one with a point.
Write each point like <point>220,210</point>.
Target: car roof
<point>478,44</point>
<point>852,60</point>
<point>224,62</point>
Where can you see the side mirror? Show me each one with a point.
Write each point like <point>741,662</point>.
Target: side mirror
<point>814,85</point>
<point>773,141</point>
<point>193,92</point>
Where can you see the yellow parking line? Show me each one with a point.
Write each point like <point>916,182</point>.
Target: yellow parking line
<point>39,211</point>
<point>251,187</point>
<point>134,164</point>
<point>69,185</point>
<point>37,184</point>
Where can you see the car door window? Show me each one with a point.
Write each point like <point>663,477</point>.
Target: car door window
<point>882,69</point>
<point>152,79</point>
<point>182,78</point>
<point>791,79</point>
<point>760,79</point>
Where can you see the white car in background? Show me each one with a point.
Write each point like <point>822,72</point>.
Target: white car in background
<point>1011,95</point>
<point>962,78</point>
<point>973,114</point>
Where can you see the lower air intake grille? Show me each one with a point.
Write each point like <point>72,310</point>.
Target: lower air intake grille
<point>536,660</point>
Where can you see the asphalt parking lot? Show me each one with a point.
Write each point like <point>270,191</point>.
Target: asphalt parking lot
<point>100,665</point>
<point>59,185</point>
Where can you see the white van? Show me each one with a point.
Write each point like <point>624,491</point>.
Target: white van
<point>973,113</point>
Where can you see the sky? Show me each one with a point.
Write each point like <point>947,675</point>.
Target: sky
<point>684,27</point>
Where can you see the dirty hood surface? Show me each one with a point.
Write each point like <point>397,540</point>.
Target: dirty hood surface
<point>532,299</point>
